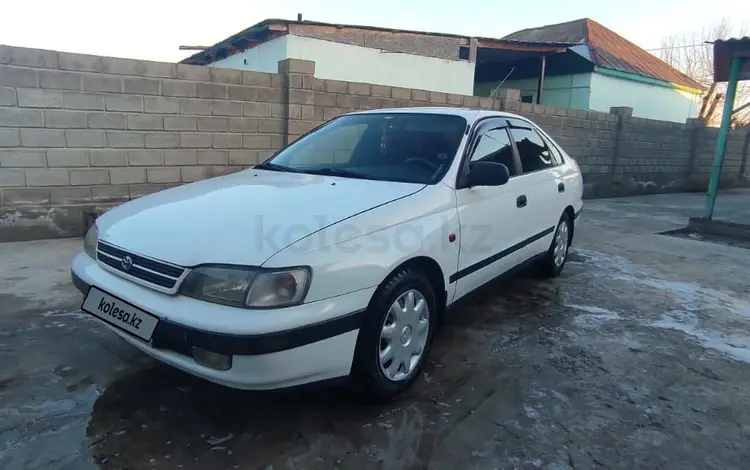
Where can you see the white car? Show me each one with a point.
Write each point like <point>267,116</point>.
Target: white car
<point>339,255</point>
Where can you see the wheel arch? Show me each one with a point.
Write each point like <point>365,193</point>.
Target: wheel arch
<point>572,216</point>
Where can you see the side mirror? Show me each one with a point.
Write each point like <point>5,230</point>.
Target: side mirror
<point>487,174</point>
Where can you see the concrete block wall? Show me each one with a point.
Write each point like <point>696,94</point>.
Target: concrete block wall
<point>79,133</point>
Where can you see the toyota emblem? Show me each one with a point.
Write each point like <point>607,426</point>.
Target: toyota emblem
<point>126,263</point>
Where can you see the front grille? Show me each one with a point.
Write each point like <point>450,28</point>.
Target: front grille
<point>149,270</point>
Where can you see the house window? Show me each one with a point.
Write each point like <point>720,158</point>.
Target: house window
<point>527,98</point>
<point>463,52</point>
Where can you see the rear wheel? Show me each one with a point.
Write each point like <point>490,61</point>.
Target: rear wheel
<point>554,260</point>
<point>396,336</point>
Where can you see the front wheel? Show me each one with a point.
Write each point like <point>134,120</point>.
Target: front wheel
<point>554,260</point>
<point>396,336</point>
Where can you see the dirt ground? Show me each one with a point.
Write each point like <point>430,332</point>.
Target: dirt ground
<point>637,357</point>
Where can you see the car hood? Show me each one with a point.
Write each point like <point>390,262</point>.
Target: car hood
<point>242,218</point>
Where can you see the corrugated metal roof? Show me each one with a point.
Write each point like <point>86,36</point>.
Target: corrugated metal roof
<point>607,49</point>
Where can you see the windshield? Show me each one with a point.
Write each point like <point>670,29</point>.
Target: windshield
<point>401,147</point>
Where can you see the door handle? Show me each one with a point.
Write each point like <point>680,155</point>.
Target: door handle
<point>521,201</point>
<point>560,187</point>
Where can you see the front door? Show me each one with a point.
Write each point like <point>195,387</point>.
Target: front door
<point>491,217</point>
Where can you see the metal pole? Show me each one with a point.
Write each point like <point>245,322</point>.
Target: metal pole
<point>721,141</point>
<point>540,84</point>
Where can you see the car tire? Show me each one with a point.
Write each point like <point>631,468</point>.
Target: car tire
<point>553,262</point>
<point>376,379</point>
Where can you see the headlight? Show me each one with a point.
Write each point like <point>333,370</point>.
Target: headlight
<point>248,287</point>
<point>90,241</point>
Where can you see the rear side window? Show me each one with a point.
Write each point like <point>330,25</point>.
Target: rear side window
<point>533,151</point>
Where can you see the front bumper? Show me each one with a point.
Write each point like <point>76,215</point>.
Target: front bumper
<point>306,343</point>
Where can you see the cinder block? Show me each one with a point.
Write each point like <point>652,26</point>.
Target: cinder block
<point>190,174</point>
<point>302,97</point>
<point>145,122</point>
<point>438,98</point>
<point>195,140</point>
<point>180,123</point>
<point>141,86</point>
<point>226,141</point>
<point>194,72</point>
<point>180,157</point>
<point>70,195</point>
<point>471,101</point>
<point>85,139</point>
<point>272,126</point>
<point>325,99</point>
<point>127,175</point>
<point>486,103</point>
<point>272,95</point>
<point>88,177</point>
<point>15,77</point>
<point>227,108</point>
<point>306,67</point>
<point>162,140</point>
<point>279,110</point>
<point>163,175</point>
<point>88,101</point>
<point>101,194</point>
<point>22,158</point>
<point>213,124</point>
<point>142,68</point>
<point>256,142</point>
<point>124,103</point>
<point>221,170</point>
<point>10,138</point>
<point>42,138</point>
<point>242,93</point>
<point>106,121</point>
<point>223,75</point>
<point>108,157</point>
<point>47,177</point>
<point>57,80</point>
<point>336,86</point>
<point>161,105</point>
<point>4,54</point>
<point>32,98</point>
<point>241,125</point>
<point>80,62</point>
<point>102,83</point>
<point>194,106</point>
<point>26,196</point>
<point>256,79</point>
<point>119,139</point>
<point>212,157</point>
<point>64,119</point>
<point>8,96</point>
<point>139,190</point>
<point>63,158</point>
<point>18,117</point>
<point>211,91</point>
<point>33,57</point>
<point>11,177</point>
<point>457,100</point>
<point>177,88</point>
<point>301,127</point>
<point>420,95</point>
<point>256,109</point>
<point>243,157</point>
<point>277,142</point>
<point>144,158</point>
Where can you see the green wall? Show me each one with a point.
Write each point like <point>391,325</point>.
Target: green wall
<point>564,91</point>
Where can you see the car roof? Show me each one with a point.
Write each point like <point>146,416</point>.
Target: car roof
<point>469,114</point>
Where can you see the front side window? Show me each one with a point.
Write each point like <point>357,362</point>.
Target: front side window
<point>400,147</point>
<point>494,146</point>
<point>532,150</point>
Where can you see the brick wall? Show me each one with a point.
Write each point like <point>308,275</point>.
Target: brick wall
<point>81,133</point>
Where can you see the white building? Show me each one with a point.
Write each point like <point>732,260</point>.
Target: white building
<point>578,64</point>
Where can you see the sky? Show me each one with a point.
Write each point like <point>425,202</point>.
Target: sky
<point>155,29</point>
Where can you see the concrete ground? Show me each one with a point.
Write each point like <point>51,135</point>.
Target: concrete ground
<point>637,357</point>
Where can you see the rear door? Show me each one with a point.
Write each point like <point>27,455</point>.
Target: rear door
<point>542,177</point>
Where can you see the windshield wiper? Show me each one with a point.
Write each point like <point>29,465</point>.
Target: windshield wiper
<point>274,167</point>
<point>340,172</point>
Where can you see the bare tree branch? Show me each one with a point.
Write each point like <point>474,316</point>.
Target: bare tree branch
<point>690,54</point>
